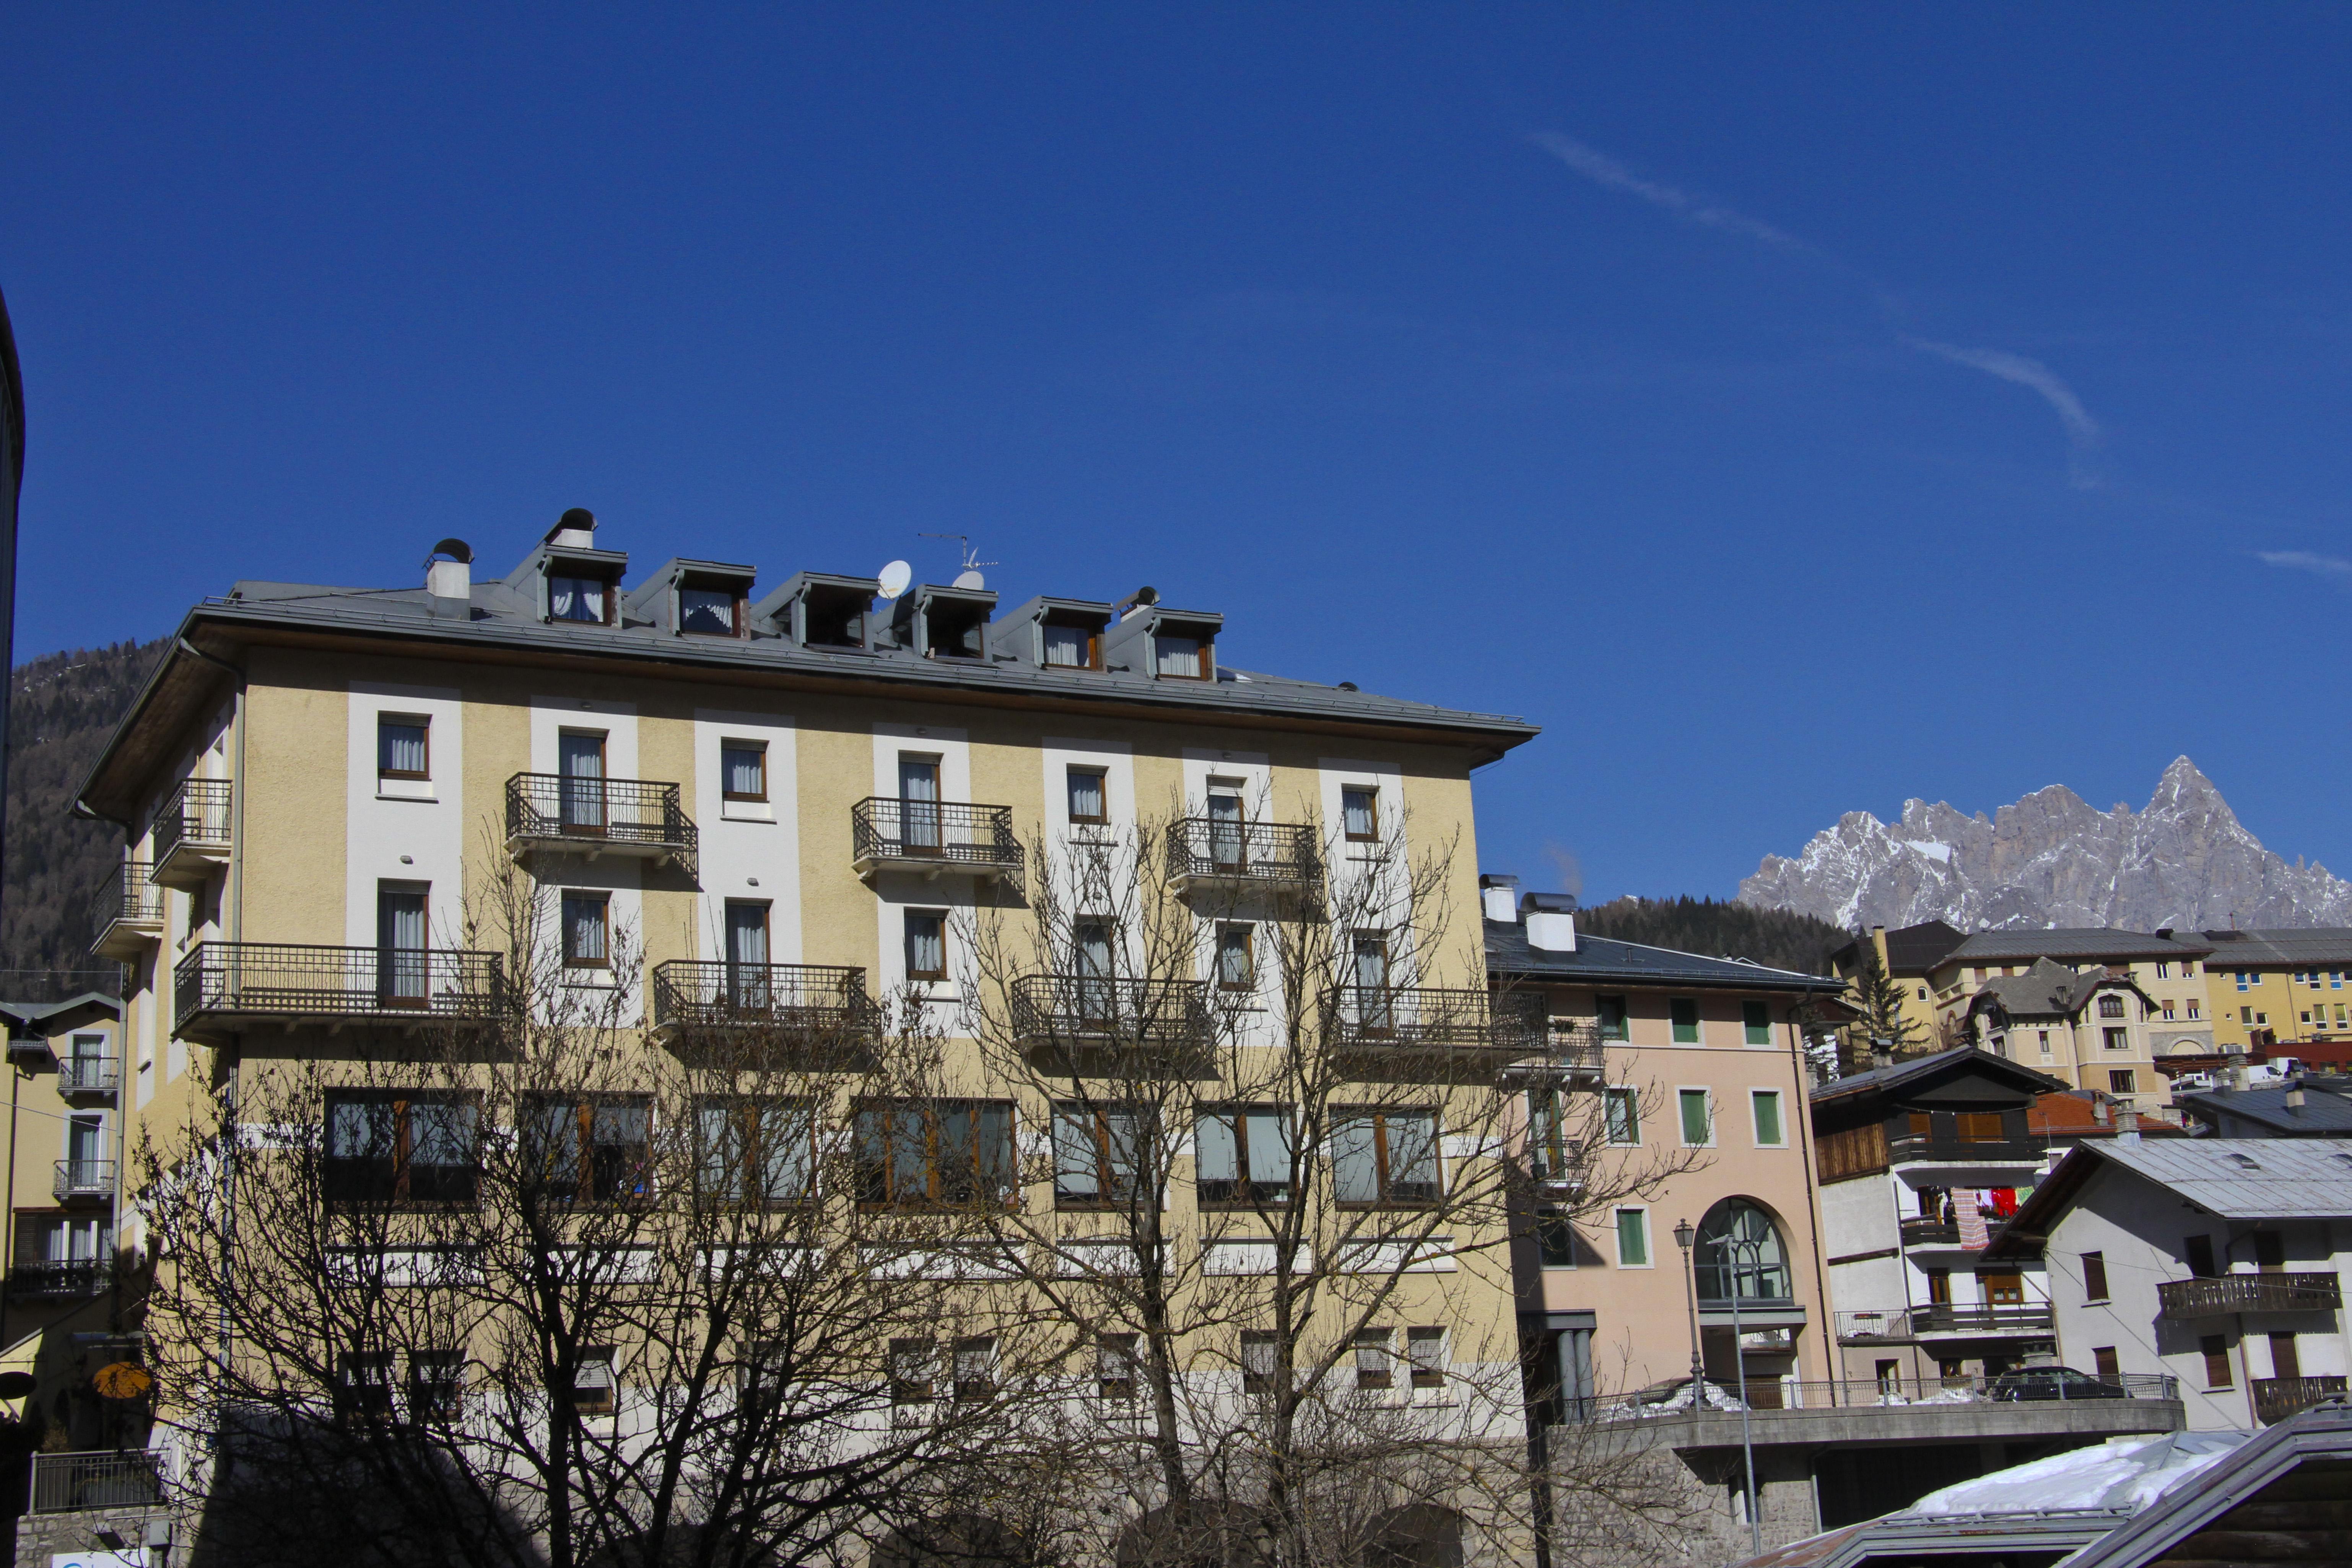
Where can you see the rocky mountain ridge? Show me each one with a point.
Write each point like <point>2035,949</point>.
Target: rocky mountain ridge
<point>2054,859</point>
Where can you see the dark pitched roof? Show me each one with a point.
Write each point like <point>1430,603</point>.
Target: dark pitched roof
<point>1606,961</point>
<point>2091,943</point>
<point>1910,950</point>
<point>32,1014</point>
<point>2322,1113</point>
<point>2321,947</point>
<point>2295,1519</point>
<point>2047,990</point>
<point>1921,1069</point>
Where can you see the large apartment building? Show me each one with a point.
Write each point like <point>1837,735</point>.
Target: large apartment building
<point>2281,992</point>
<point>729,794</point>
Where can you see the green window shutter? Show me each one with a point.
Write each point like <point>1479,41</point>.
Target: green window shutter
<point>1684,1011</point>
<point>1625,1116</point>
<point>1696,1131</point>
<point>1632,1238</point>
<point>1758,1022</point>
<point>1768,1117</point>
<point>1611,1015</point>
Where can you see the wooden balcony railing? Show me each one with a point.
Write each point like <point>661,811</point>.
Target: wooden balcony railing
<point>809,999</point>
<point>1919,1230</point>
<point>599,817</point>
<point>2276,1398</point>
<point>1077,1010</point>
<point>1411,1018</point>
<point>192,832</point>
<point>2229,1293</point>
<point>1895,1324</point>
<point>230,984</point>
<point>1209,851</point>
<point>933,836</point>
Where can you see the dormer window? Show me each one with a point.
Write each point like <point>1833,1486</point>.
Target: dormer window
<point>1181,657</point>
<point>710,612</point>
<point>583,599</point>
<point>1072,647</point>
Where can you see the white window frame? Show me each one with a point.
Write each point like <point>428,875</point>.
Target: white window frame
<point>1682,1128</point>
<point>1780,1114</point>
<point>1617,1235</point>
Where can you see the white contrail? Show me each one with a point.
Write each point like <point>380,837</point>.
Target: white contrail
<point>2304,560</point>
<point>2082,430</point>
<point>1604,170</point>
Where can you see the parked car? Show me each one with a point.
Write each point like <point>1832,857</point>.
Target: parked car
<point>2054,1382</point>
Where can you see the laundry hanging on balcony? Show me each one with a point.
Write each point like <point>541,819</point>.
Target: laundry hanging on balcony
<point>1973,1225</point>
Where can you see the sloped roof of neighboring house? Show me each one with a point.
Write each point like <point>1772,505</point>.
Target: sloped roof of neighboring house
<point>2285,1485</point>
<point>1600,960</point>
<point>2093,944</point>
<point>2230,1178</point>
<point>2322,1114</point>
<point>2074,1113</point>
<point>32,1014</point>
<point>1910,950</point>
<point>2047,990</point>
<point>1920,1071</point>
<point>2321,947</point>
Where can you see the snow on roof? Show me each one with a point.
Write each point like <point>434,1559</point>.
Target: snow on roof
<point>2122,1472</point>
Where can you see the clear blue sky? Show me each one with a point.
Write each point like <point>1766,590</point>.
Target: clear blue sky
<point>1791,410</point>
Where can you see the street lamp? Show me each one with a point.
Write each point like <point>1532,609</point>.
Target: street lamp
<point>1683,1234</point>
<point>1755,1247</point>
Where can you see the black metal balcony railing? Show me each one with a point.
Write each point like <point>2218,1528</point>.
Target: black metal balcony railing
<point>82,1179</point>
<point>88,1075</point>
<point>69,1483</point>
<point>1263,854</point>
<point>1895,1324</point>
<point>48,1280</point>
<point>2229,1293</point>
<point>126,894</point>
<point>2276,1398</point>
<point>269,980</point>
<point>629,816</point>
<point>949,834</point>
<point>1081,1010</point>
<point>1672,1399</point>
<point>817,999</point>
<point>194,817</point>
<point>1416,1017</point>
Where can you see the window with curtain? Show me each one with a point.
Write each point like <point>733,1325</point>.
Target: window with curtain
<point>1359,813</point>
<point>927,944</point>
<point>590,1150</point>
<point>1087,800</point>
<point>933,1153</point>
<point>403,964</point>
<point>1243,1156</point>
<point>1385,1157</point>
<point>1180,657</point>
<point>1068,648</point>
<point>744,769</point>
<point>1236,969</point>
<point>755,1150</point>
<point>391,1145</point>
<point>1099,1152</point>
<point>400,746</point>
<point>709,612</point>
<point>587,930</point>
<point>576,599</point>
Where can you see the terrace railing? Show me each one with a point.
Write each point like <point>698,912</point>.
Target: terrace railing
<point>126,910</point>
<point>2224,1294</point>
<point>1249,854</point>
<point>634,816</point>
<point>2276,1398</point>
<point>1080,1010</point>
<point>1893,1323</point>
<point>69,1483</point>
<point>810,998</point>
<point>942,834</point>
<point>82,1179</point>
<point>1875,1394</point>
<point>191,831</point>
<point>48,1280</point>
<point>1409,1018</point>
<point>88,1075</point>
<point>225,982</point>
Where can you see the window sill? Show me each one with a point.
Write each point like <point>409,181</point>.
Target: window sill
<point>592,980</point>
<point>406,789</point>
<point>746,811</point>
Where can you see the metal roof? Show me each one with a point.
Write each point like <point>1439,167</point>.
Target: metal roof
<point>2323,1113</point>
<point>2072,942</point>
<point>2323,1433</point>
<point>1600,960</point>
<point>1878,1079</point>
<point>2321,947</point>
<point>1912,949</point>
<point>2232,1178</point>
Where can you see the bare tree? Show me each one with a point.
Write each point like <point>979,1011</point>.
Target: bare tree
<point>1286,1139</point>
<point>519,1288</point>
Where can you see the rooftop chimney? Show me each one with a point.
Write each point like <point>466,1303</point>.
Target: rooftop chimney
<point>2127,1125</point>
<point>1551,930</point>
<point>1143,599</point>
<point>1881,1053</point>
<point>449,577</point>
<point>1498,897</point>
<point>2295,1094</point>
<point>575,529</point>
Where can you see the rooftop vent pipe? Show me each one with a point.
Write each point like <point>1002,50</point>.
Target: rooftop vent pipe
<point>575,529</point>
<point>1143,599</point>
<point>449,577</point>
<point>2295,1094</point>
<point>1551,930</point>
<point>1498,898</point>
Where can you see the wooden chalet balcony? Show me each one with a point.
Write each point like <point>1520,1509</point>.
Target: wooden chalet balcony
<point>1412,1020</point>
<point>2276,1398</point>
<point>1082,1012</point>
<point>802,1003</point>
<point>43,1280</point>
<point>933,836</point>
<point>192,832</point>
<point>126,910</point>
<point>551,812</point>
<point>230,987</point>
<point>1206,852</point>
<point>1919,1230</point>
<point>2229,1293</point>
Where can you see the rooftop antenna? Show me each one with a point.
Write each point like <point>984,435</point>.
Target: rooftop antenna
<point>969,577</point>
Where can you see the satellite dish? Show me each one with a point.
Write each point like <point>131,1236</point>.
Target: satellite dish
<point>972,580</point>
<point>895,578</point>
<point>16,1384</point>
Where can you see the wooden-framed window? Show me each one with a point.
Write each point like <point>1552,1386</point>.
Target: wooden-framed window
<point>1068,647</point>
<point>1099,1153</point>
<point>592,1149</point>
<point>1978,1126</point>
<point>934,1154</point>
<point>1244,1157</point>
<point>2197,1251</point>
<point>1261,1360</point>
<point>2116,1040</point>
<point>975,1368</point>
<point>1609,1017</point>
<point>708,609</point>
<point>1425,1350</point>
<point>1383,1158</point>
<point>2111,1006</point>
<point>400,1146</point>
<point>587,929</point>
<point>2216,1351</point>
<point>1236,962</point>
<point>595,1391</point>
<point>2122,1080</point>
<point>743,770</point>
<point>2094,1277</point>
<point>404,746</point>
<point>580,599</point>
<point>1089,801</point>
<point>755,1151</point>
<point>364,1385</point>
<point>1117,1372</point>
<point>2104,1363</point>
<point>1177,656</point>
<point>914,1370</point>
<point>1359,813</point>
<point>927,944</point>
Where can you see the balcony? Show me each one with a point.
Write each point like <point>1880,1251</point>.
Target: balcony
<point>1076,1011</point>
<point>227,987</point>
<point>796,1004</point>
<point>1902,1325</point>
<point>1208,853</point>
<point>70,1483</point>
<point>1920,1231</point>
<point>549,813</point>
<point>1420,1021</point>
<point>192,833</point>
<point>83,1180</point>
<point>126,910</point>
<point>1886,1396</point>
<point>2276,1398</point>
<point>1990,1153</point>
<point>2229,1293</point>
<point>931,836</point>
<point>43,1280</point>
<point>88,1075</point>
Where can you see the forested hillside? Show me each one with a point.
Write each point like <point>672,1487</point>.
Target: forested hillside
<point>60,713</point>
<point>1780,939</point>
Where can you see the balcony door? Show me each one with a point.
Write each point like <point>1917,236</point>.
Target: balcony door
<point>747,957</point>
<point>2003,1292</point>
<point>1091,947</point>
<point>918,803</point>
<point>85,1151</point>
<point>580,760</point>
<point>402,964</point>
<point>1227,849</point>
<point>1375,1009</point>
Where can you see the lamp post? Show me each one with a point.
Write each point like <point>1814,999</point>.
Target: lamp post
<point>1683,1234</point>
<point>1724,1247</point>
